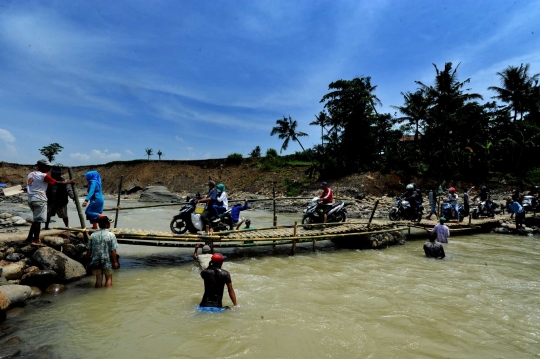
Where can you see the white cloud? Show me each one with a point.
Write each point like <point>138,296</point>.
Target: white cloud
<point>179,139</point>
<point>128,152</point>
<point>95,156</point>
<point>6,136</point>
<point>8,139</point>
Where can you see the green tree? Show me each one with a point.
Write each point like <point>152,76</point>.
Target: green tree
<point>149,152</point>
<point>256,153</point>
<point>453,122</point>
<point>51,151</point>
<point>415,111</point>
<point>271,153</point>
<point>355,141</point>
<point>517,88</point>
<point>159,153</point>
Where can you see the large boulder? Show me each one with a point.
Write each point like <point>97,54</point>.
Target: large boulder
<point>55,241</point>
<point>41,278</point>
<point>159,194</point>
<point>66,268</point>
<point>13,295</point>
<point>12,270</point>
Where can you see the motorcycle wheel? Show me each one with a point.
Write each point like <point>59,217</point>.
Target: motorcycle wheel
<point>475,215</point>
<point>178,226</point>
<point>393,215</point>
<point>306,221</point>
<point>340,217</point>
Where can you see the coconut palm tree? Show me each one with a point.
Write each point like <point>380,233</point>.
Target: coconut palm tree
<point>159,153</point>
<point>286,130</point>
<point>149,152</point>
<point>517,86</point>
<point>415,110</point>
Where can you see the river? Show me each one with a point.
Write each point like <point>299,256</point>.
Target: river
<point>479,302</point>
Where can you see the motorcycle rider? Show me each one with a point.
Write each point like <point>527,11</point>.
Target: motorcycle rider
<point>210,200</point>
<point>453,200</point>
<point>222,204</point>
<point>535,192</point>
<point>485,196</point>
<point>326,198</point>
<point>411,195</point>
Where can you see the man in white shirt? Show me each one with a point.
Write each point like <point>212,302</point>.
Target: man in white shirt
<point>36,187</point>
<point>441,230</point>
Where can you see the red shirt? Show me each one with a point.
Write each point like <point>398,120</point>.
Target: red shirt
<point>327,195</point>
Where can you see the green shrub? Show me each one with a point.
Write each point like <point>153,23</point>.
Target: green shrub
<point>292,188</point>
<point>235,158</point>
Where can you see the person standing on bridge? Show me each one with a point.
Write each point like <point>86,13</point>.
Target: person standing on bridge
<point>441,230</point>
<point>215,280</point>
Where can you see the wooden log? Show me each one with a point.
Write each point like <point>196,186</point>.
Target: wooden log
<point>373,212</point>
<point>274,203</point>
<point>118,201</point>
<point>78,204</point>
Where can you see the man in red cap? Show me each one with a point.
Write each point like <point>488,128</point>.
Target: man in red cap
<point>215,279</point>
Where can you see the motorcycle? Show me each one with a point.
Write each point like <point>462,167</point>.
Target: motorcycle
<point>530,204</point>
<point>188,220</point>
<point>448,211</point>
<point>402,209</point>
<point>481,209</point>
<point>314,213</point>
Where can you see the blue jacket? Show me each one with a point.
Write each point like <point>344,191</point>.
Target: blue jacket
<point>235,211</point>
<point>515,207</point>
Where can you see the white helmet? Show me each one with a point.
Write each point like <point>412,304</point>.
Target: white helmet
<point>410,187</point>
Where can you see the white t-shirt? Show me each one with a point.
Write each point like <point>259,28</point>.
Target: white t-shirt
<point>453,198</point>
<point>442,231</point>
<point>204,260</point>
<point>223,198</point>
<point>36,185</point>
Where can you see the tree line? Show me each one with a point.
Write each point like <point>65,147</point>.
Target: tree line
<point>442,130</point>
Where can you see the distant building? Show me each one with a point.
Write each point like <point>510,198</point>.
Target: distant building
<point>408,138</point>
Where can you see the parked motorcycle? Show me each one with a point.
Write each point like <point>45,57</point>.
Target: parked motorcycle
<point>449,212</point>
<point>402,209</point>
<point>530,204</point>
<point>481,209</point>
<point>314,213</point>
<point>188,220</point>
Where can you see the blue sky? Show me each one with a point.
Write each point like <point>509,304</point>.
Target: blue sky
<point>203,79</point>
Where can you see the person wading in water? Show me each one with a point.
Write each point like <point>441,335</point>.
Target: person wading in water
<point>215,280</point>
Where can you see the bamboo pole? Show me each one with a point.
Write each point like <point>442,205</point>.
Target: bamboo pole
<point>373,213</point>
<point>78,205</point>
<point>274,203</point>
<point>194,238</point>
<point>314,243</point>
<point>183,203</point>
<point>295,228</point>
<point>118,201</point>
<point>293,248</point>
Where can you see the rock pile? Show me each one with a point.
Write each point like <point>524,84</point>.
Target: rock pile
<point>9,221</point>
<point>159,194</point>
<point>27,271</point>
<point>509,227</point>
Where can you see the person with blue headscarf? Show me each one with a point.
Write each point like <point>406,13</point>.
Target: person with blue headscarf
<point>94,199</point>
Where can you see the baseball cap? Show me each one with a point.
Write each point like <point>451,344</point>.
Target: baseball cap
<point>324,184</point>
<point>218,258</point>
<point>44,162</point>
<point>206,249</point>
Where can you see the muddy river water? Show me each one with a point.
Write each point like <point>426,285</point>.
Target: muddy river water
<point>479,302</point>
